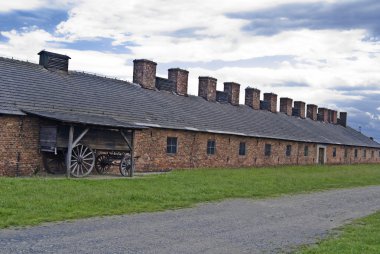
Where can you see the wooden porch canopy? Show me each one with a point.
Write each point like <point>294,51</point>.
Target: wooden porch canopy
<point>87,121</point>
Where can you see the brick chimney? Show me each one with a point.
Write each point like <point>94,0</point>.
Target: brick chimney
<point>233,91</point>
<point>271,100</point>
<point>343,119</point>
<point>252,98</point>
<point>207,88</point>
<point>312,112</point>
<point>286,105</point>
<point>323,115</point>
<point>144,73</point>
<point>180,78</point>
<point>300,107</point>
<point>54,61</point>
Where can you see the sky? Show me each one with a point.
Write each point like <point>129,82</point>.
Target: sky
<point>323,52</point>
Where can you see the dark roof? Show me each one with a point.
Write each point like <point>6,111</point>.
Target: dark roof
<point>32,88</point>
<point>78,118</point>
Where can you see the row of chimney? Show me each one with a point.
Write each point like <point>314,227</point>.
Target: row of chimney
<point>144,73</point>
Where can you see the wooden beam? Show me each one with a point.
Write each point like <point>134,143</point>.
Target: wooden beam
<point>69,150</point>
<point>130,149</point>
<point>132,155</point>
<point>126,139</point>
<point>80,137</point>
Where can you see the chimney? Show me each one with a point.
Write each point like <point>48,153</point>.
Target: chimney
<point>286,106</point>
<point>180,78</point>
<point>252,98</point>
<point>53,61</point>
<point>144,73</point>
<point>300,107</point>
<point>343,119</point>
<point>271,100</point>
<point>330,114</point>
<point>207,88</point>
<point>312,112</point>
<point>323,115</point>
<point>233,91</point>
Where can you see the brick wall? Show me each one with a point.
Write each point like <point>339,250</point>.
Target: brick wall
<point>19,141</point>
<point>19,150</point>
<point>150,146</point>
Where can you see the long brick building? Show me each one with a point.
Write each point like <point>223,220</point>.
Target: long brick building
<point>164,126</point>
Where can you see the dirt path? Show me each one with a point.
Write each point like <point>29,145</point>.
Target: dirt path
<point>233,226</point>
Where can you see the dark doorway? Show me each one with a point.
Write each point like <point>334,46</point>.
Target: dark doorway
<point>321,155</point>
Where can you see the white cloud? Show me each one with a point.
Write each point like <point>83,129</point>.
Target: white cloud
<point>27,5</point>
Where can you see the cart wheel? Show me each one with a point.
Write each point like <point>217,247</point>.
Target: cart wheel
<point>54,163</point>
<point>103,163</point>
<point>82,161</point>
<point>126,165</point>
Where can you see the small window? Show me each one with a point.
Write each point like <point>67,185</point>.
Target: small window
<point>373,154</point>
<point>242,148</point>
<point>288,150</point>
<point>334,152</point>
<point>356,153</point>
<point>211,146</point>
<point>306,151</point>
<point>171,145</point>
<point>365,153</point>
<point>345,152</point>
<point>268,149</point>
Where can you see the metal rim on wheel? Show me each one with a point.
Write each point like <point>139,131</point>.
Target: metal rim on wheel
<point>125,165</point>
<point>82,161</point>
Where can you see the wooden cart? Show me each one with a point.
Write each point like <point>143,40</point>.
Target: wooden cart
<point>78,150</point>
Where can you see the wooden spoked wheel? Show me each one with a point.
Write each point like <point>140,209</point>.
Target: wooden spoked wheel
<point>54,163</point>
<point>125,166</point>
<point>82,161</point>
<point>103,163</point>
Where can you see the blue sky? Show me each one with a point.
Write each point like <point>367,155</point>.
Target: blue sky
<point>324,52</point>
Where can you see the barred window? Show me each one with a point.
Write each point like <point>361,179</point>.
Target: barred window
<point>373,154</point>
<point>242,148</point>
<point>345,152</point>
<point>288,150</point>
<point>171,145</point>
<point>211,146</point>
<point>334,152</point>
<point>364,153</point>
<point>306,151</point>
<point>356,153</point>
<point>268,149</point>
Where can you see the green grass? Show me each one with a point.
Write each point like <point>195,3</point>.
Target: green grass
<point>30,201</point>
<point>362,236</point>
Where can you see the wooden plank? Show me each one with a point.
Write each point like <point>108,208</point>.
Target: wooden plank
<point>48,138</point>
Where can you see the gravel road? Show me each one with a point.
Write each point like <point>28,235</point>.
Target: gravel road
<point>232,226</point>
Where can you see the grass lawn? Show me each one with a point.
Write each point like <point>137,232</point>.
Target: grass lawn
<point>30,201</point>
<point>362,236</point>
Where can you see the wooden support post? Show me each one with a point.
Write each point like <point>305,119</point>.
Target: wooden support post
<point>132,155</point>
<point>130,149</point>
<point>69,151</point>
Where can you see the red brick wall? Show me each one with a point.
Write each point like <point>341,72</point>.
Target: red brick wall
<point>19,142</point>
<point>19,150</point>
<point>150,146</point>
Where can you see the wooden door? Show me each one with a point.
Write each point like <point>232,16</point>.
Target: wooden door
<point>321,156</point>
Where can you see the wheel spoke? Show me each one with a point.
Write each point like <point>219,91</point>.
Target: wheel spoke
<point>86,155</point>
<point>84,151</point>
